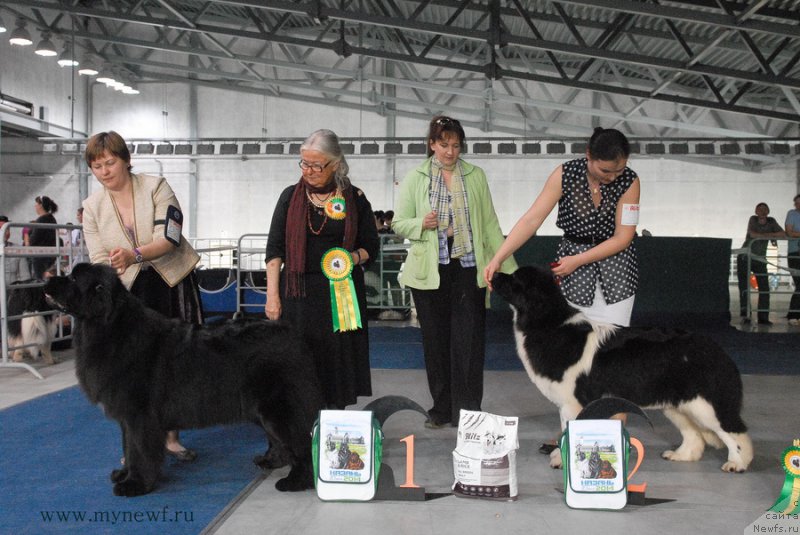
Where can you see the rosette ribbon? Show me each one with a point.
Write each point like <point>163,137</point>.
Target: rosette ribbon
<point>337,266</point>
<point>787,502</point>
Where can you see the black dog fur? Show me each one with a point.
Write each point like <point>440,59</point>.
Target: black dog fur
<point>153,374</point>
<point>574,361</point>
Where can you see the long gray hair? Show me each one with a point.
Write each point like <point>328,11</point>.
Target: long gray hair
<point>327,142</point>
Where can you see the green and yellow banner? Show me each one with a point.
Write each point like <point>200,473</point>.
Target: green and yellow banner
<point>337,266</point>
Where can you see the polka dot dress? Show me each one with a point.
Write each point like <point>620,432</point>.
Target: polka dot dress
<point>585,226</point>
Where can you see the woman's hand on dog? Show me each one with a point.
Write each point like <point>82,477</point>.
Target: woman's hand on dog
<point>273,308</point>
<point>121,259</point>
<point>565,265</point>
<point>488,272</point>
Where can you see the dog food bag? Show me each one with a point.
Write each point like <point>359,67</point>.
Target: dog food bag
<point>484,461</point>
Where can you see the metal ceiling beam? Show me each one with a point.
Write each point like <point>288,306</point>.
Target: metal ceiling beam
<point>690,15</point>
<point>432,28</point>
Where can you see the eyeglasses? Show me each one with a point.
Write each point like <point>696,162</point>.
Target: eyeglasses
<point>317,168</point>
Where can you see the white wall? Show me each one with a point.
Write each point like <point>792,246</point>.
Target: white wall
<point>237,196</point>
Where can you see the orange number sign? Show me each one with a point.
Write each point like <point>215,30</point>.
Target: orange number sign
<point>409,440</point>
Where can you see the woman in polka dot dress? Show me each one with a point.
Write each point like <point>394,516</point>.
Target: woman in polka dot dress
<point>598,209</point>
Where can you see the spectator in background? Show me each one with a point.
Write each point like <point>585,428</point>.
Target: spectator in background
<point>16,267</point>
<point>386,228</point>
<point>44,237</point>
<point>792,226</point>
<point>379,215</point>
<point>759,226</point>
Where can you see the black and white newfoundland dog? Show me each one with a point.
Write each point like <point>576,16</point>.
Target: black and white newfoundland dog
<point>33,334</point>
<point>574,361</point>
<point>153,374</point>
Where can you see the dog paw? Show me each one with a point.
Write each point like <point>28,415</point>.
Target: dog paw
<point>734,467</point>
<point>270,462</point>
<point>118,475</point>
<point>130,487</point>
<point>290,484</point>
<point>555,458</point>
<point>678,455</point>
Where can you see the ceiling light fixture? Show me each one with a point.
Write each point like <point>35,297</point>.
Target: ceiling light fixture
<point>88,67</point>
<point>20,36</point>
<point>46,47</point>
<point>3,27</point>
<point>67,58</point>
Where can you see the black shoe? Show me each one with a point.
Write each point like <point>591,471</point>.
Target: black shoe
<point>764,322</point>
<point>547,449</point>
<point>433,424</point>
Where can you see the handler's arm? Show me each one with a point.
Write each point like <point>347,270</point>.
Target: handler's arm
<point>273,307</point>
<point>528,224</point>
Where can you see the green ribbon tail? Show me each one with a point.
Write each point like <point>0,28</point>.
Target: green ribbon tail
<point>355,301</point>
<point>782,504</point>
<point>334,308</point>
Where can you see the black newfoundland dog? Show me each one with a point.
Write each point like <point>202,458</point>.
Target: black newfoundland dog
<point>152,374</point>
<point>574,361</point>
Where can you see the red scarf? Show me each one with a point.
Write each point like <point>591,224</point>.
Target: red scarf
<point>297,233</point>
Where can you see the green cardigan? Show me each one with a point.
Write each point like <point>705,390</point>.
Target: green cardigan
<point>421,268</point>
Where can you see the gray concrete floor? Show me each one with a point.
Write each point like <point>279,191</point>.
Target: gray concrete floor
<point>685,497</point>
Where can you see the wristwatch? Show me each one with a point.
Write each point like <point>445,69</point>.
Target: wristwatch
<point>137,256</point>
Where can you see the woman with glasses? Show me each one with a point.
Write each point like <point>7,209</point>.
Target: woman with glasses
<point>444,208</point>
<point>323,235</point>
<point>43,237</point>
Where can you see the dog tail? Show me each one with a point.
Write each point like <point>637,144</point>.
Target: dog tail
<point>39,330</point>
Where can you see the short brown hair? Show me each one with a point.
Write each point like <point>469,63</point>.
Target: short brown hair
<point>107,141</point>
<point>441,124</point>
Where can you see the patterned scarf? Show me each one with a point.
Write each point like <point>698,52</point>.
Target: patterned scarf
<point>455,206</point>
<point>297,233</point>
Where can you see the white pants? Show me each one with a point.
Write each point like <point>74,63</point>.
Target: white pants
<point>618,313</point>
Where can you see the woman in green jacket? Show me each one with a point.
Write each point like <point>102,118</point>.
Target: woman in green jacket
<point>444,208</point>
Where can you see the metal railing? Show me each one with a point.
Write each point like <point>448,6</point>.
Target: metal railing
<point>778,274</point>
<point>64,255</point>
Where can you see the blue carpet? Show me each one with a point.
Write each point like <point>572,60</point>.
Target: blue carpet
<point>58,451</point>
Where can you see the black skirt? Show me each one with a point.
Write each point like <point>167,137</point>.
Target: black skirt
<point>181,301</point>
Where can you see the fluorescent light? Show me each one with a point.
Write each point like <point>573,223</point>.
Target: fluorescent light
<point>46,47</point>
<point>105,79</point>
<point>3,27</point>
<point>20,36</point>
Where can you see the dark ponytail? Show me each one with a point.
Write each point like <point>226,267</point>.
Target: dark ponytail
<point>608,144</point>
<point>48,204</point>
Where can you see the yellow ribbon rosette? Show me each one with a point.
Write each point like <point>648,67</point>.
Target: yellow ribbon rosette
<point>335,208</point>
<point>337,266</point>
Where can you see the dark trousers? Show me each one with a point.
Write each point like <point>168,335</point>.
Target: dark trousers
<point>759,269</point>
<point>453,323</point>
<point>794,304</point>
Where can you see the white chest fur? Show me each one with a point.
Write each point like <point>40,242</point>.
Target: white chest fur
<point>563,391</point>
